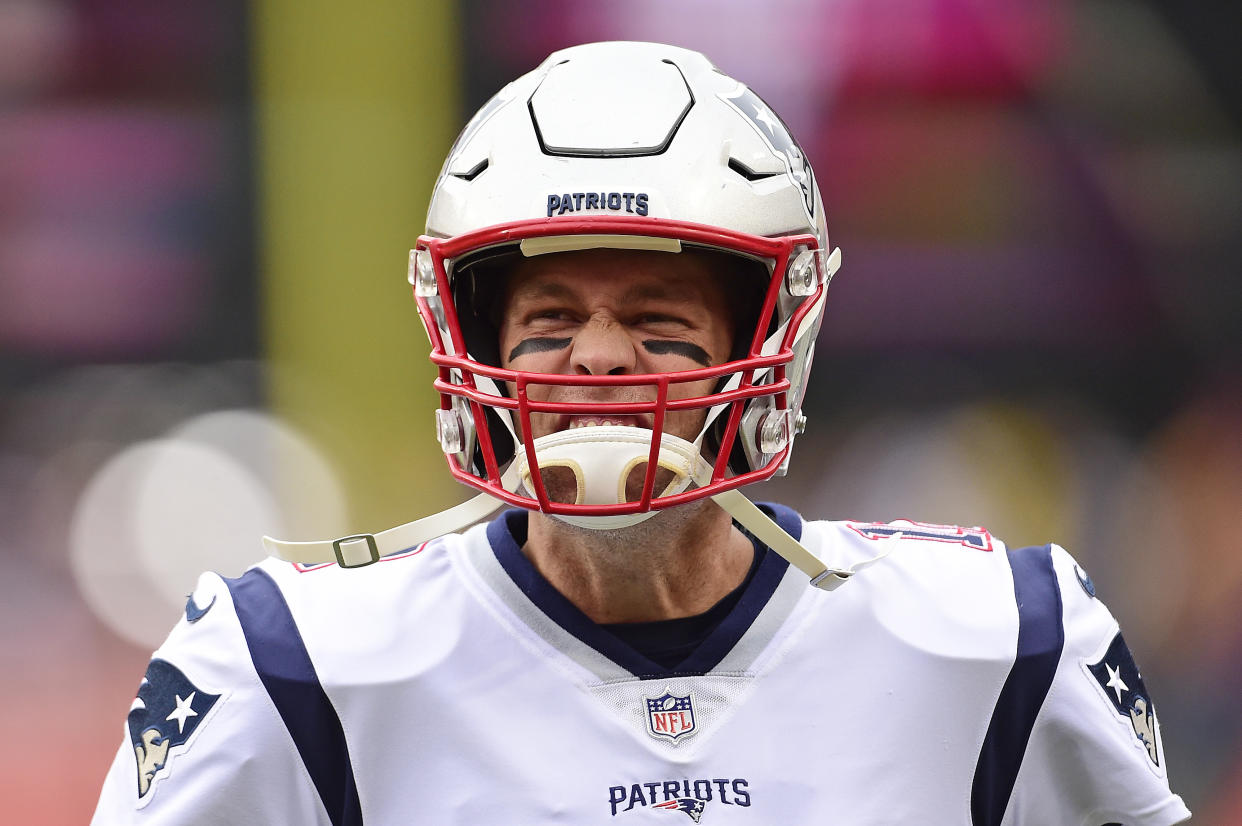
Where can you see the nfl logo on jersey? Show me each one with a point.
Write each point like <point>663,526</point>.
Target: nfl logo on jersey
<point>670,716</point>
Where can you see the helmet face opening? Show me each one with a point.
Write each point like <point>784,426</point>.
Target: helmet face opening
<point>481,285</point>
<point>486,410</point>
<point>676,158</point>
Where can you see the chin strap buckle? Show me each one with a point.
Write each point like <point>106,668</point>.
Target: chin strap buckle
<point>830,579</point>
<point>345,551</point>
<point>373,554</point>
<point>772,535</point>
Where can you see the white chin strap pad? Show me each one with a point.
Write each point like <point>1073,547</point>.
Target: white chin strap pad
<point>602,458</point>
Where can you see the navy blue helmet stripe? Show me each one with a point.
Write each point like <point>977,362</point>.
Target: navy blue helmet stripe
<point>287,673</point>
<point>1041,636</point>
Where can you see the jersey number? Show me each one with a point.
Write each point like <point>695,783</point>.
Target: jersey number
<point>977,538</point>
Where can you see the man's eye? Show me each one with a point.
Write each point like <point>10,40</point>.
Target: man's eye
<point>549,315</point>
<point>650,319</point>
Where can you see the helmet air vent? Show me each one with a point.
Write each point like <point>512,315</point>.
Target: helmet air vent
<point>473,172</point>
<point>610,110</point>
<point>748,173</point>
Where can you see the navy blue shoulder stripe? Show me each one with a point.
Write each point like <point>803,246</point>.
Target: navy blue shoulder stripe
<point>1041,636</point>
<point>284,666</point>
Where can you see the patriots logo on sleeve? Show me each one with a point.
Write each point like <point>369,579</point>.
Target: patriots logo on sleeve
<point>1118,675</point>
<point>163,718</point>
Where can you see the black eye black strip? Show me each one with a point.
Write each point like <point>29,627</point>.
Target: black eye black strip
<point>538,345</point>
<point>657,347</point>
<point>662,347</point>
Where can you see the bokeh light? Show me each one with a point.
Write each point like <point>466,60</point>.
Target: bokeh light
<point>162,511</point>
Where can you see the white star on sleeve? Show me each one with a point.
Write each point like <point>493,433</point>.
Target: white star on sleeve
<point>182,711</point>
<point>1115,682</point>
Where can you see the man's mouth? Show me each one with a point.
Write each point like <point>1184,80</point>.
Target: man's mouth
<point>576,422</point>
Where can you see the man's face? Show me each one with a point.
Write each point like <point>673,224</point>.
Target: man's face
<point>615,312</point>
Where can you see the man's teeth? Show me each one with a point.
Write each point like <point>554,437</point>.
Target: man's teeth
<point>597,423</point>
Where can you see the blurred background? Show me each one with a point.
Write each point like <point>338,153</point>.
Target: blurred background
<point>206,333</point>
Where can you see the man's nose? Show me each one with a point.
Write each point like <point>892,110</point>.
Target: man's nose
<point>602,347</point>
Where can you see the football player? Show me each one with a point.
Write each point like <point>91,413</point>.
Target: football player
<point>622,278</point>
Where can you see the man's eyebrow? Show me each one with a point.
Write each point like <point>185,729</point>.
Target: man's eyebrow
<point>662,347</point>
<point>538,345</point>
<point>542,288</point>
<point>659,291</point>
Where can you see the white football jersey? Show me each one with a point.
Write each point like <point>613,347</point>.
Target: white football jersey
<point>955,682</point>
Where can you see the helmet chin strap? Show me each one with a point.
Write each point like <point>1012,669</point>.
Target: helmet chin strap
<point>612,452</point>
<point>619,449</point>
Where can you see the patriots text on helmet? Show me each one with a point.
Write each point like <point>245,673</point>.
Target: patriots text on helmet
<point>633,202</point>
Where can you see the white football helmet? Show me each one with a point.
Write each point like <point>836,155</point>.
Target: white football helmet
<point>634,146</point>
<point>626,146</point>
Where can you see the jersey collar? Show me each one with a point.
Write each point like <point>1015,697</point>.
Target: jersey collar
<point>505,533</point>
